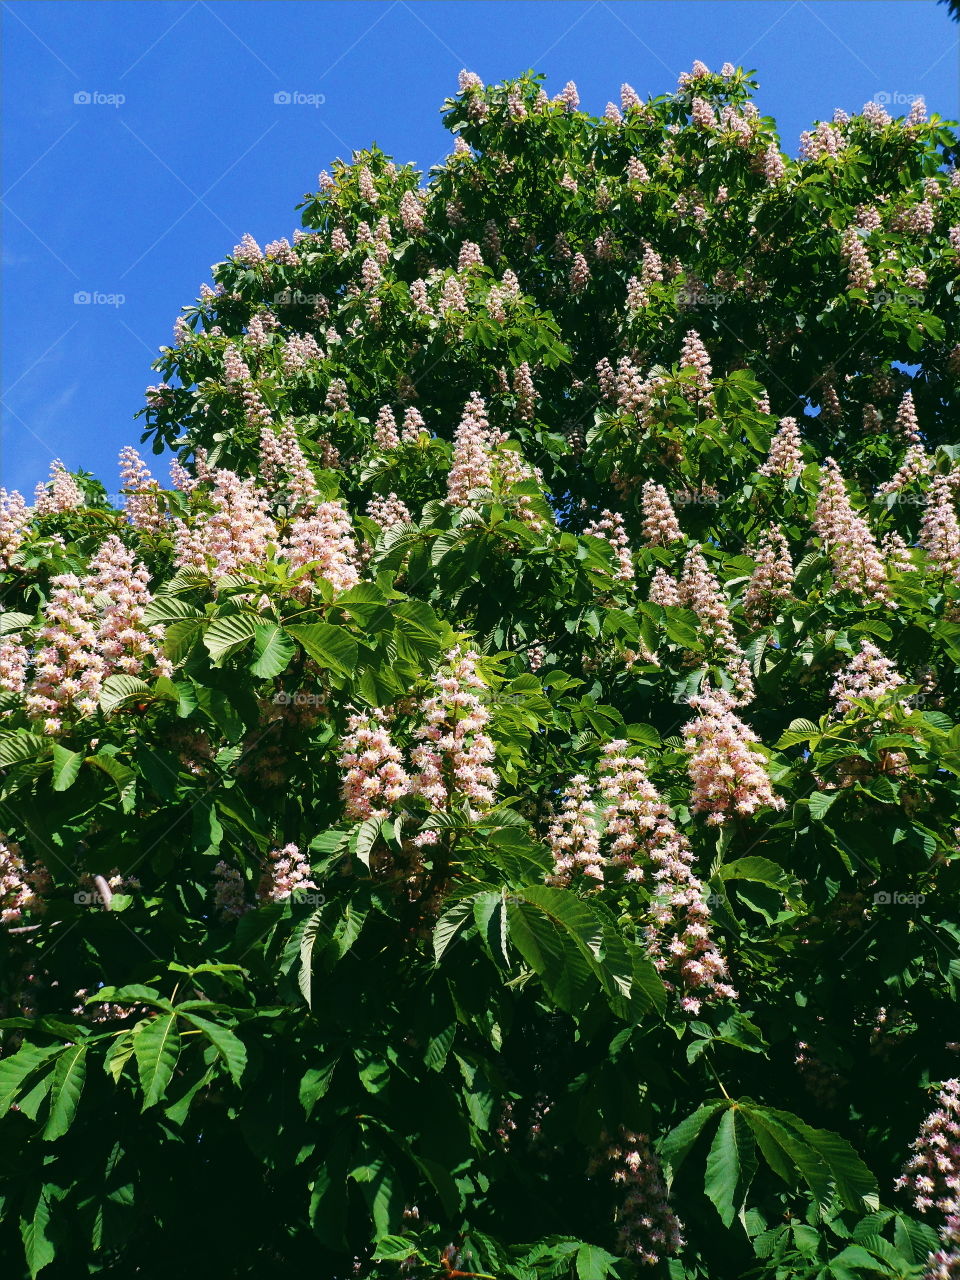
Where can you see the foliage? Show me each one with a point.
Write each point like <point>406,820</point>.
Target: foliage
<point>343,926</point>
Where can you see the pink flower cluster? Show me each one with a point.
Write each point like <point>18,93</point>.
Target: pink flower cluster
<point>14,661</point>
<point>281,455</point>
<point>693,355</point>
<point>857,564</point>
<point>20,888</point>
<point>785,457</point>
<point>229,891</point>
<point>61,493</point>
<point>525,392</point>
<point>932,1173</point>
<point>647,1227</point>
<point>388,511</point>
<point>573,837</point>
<point>610,528</point>
<point>869,675</point>
<point>772,579</point>
<point>854,254</point>
<point>385,435</point>
<point>374,776</point>
<point>14,518</point>
<point>579,274</point>
<point>699,589</point>
<point>237,532</point>
<point>916,462</point>
<point>471,466</point>
<point>298,350</point>
<point>93,627</point>
<point>944,1263</point>
<point>287,874</point>
<point>248,250</point>
<point>940,530</point>
<point>660,523</point>
<point>141,493</point>
<point>727,771</point>
<point>906,424</point>
<point>454,751</point>
<point>324,542</point>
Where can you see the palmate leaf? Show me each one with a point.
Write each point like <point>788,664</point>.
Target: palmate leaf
<point>156,1045</point>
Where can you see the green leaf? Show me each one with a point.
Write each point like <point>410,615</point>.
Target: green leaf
<point>763,871</point>
<point>593,1263</point>
<point>68,1077</point>
<point>450,924</point>
<point>17,1069</point>
<point>120,689</point>
<point>272,651</point>
<point>226,635</point>
<point>66,767</point>
<point>157,1048</point>
<point>678,1143</point>
<point>328,645</point>
<point>230,1048</point>
<point>38,1246</point>
<point>731,1164</point>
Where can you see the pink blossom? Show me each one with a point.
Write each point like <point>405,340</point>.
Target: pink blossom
<point>785,458</point>
<point>61,493</point>
<point>453,755</point>
<point>610,528</point>
<point>727,771</point>
<point>229,891</point>
<point>286,875</point>
<point>323,544</point>
<point>647,1228</point>
<point>772,579</point>
<point>385,434</point>
<point>660,524</point>
<point>374,777</point>
<point>573,837</point>
<point>14,661</point>
<point>141,499</point>
<point>868,675</point>
<point>932,1173</point>
<point>15,516</point>
<point>939,529</point>
<point>471,466</point>
<point>388,511</point>
<point>857,564</point>
<point>20,887</point>
<point>248,250</point>
<point>237,532</point>
<point>693,355</point>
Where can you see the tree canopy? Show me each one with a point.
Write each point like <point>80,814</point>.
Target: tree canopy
<point>495,810</point>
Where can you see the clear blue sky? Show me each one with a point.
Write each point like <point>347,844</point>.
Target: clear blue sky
<point>138,199</point>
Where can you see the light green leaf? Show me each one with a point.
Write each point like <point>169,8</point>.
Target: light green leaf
<point>66,767</point>
<point>157,1048</point>
<point>226,635</point>
<point>229,1046</point>
<point>328,645</point>
<point>68,1077</point>
<point>731,1164</point>
<point>272,651</point>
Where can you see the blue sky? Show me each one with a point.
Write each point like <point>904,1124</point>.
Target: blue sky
<point>136,198</point>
